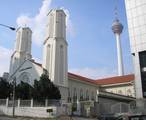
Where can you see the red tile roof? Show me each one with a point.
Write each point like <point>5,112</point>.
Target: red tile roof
<point>78,77</point>
<point>115,80</point>
<point>33,61</point>
<point>105,81</point>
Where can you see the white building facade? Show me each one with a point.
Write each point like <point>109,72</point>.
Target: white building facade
<point>136,16</point>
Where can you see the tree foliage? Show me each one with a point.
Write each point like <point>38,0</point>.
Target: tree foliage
<point>41,90</point>
<point>5,89</point>
<point>24,90</point>
<point>45,89</point>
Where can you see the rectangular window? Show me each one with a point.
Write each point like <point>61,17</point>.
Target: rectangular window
<point>142,59</point>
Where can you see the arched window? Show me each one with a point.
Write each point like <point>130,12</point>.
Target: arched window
<point>69,95</point>
<point>92,95</point>
<point>74,95</point>
<point>120,92</point>
<point>81,94</point>
<point>129,93</point>
<point>87,95</point>
<point>25,77</point>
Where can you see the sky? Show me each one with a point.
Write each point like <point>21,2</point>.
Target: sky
<point>91,42</point>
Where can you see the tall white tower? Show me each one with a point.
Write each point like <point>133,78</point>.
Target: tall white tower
<point>117,28</point>
<point>55,50</point>
<point>22,48</point>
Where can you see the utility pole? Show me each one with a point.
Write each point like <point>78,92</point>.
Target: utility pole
<point>14,80</point>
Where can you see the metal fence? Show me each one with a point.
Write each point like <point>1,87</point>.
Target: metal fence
<point>138,106</point>
<point>25,103</point>
<point>2,102</point>
<point>104,108</point>
<point>120,108</point>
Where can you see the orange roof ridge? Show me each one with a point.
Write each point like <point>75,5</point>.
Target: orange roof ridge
<point>33,61</point>
<point>115,79</point>
<point>82,78</point>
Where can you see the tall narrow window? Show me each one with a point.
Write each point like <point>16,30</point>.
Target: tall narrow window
<point>61,65</point>
<point>81,94</point>
<point>51,26</point>
<point>87,95</point>
<point>48,56</point>
<point>74,95</point>
<point>17,41</point>
<point>92,95</point>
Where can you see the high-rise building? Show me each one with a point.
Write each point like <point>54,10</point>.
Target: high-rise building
<point>136,15</point>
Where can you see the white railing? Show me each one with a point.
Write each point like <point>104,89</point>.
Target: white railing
<point>30,103</point>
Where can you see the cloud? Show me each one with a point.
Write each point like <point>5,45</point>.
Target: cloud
<point>4,59</point>
<point>70,28</point>
<point>36,23</point>
<point>23,20</point>
<point>94,73</point>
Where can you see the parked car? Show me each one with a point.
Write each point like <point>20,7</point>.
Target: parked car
<point>131,117</point>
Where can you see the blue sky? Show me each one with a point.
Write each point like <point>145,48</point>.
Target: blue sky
<point>92,45</point>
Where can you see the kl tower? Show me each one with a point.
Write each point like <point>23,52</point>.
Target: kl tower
<point>117,28</point>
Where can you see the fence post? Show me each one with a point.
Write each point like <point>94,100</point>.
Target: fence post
<point>7,102</point>
<point>18,102</point>
<point>46,102</point>
<point>31,105</point>
<point>120,108</point>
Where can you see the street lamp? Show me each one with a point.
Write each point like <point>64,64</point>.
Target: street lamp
<point>11,28</point>
<point>14,85</point>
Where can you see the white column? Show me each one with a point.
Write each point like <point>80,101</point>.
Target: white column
<point>18,102</point>
<point>97,95</point>
<point>7,102</point>
<point>138,82</point>
<point>78,107</point>
<point>119,55</point>
<point>31,104</point>
<point>46,103</point>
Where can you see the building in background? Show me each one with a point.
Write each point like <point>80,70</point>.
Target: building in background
<point>136,16</point>
<point>5,76</point>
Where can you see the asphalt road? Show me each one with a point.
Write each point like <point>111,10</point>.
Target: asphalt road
<point>19,118</point>
<point>27,118</point>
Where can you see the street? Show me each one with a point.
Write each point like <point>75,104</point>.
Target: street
<point>28,118</point>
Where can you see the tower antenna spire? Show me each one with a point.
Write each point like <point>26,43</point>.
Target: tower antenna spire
<point>116,9</point>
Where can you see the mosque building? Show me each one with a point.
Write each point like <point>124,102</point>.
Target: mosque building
<point>72,87</point>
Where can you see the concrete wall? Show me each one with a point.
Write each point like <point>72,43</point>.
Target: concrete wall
<point>40,112</point>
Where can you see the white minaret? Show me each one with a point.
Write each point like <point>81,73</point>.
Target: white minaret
<point>117,28</point>
<point>22,48</point>
<point>55,50</point>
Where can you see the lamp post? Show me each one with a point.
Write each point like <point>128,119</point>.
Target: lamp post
<point>14,85</point>
<point>11,28</point>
